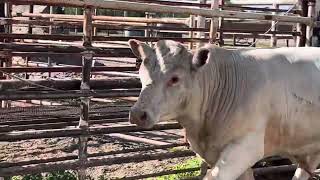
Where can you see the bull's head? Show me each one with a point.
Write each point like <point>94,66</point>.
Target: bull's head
<point>167,74</point>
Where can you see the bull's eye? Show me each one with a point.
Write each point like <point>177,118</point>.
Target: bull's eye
<point>173,81</point>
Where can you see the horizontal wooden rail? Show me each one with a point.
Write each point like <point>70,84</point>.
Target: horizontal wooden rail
<point>108,18</point>
<point>66,55</point>
<point>226,6</point>
<point>73,132</point>
<point>97,38</point>
<point>99,154</point>
<point>106,118</point>
<point>68,84</point>
<point>98,51</point>
<point>32,95</point>
<point>133,6</point>
<point>92,162</point>
<point>64,69</point>
<point>108,26</point>
<point>105,25</point>
<point>59,124</point>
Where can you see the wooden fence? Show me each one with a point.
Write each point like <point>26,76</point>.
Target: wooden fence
<point>85,88</point>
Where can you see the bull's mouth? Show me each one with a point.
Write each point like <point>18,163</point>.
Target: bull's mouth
<point>144,124</point>
<point>168,117</point>
<point>143,121</point>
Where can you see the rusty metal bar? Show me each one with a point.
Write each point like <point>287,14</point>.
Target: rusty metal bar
<point>162,173</point>
<point>275,169</point>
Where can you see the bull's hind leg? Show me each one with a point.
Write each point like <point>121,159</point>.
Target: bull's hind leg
<point>307,165</point>
<point>248,175</point>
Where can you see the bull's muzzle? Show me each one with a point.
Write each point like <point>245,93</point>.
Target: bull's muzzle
<point>139,117</point>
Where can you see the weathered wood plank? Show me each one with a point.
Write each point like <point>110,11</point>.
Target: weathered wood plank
<point>99,51</point>
<point>65,69</point>
<point>30,95</point>
<point>214,25</point>
<point>120,5</point>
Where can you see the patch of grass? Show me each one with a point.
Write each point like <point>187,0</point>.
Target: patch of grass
<point>58,175</point>
<point>191,163</point>
<point>179,148</point>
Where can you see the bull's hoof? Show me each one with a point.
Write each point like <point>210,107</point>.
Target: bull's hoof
<point>203,170</point>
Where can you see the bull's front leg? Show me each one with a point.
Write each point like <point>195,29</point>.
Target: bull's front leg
<point>237,157</point>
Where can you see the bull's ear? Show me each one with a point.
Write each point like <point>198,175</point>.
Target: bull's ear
<point>140,49</point>
<point>200,58</point>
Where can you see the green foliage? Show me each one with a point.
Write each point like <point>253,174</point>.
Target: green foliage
<point>61,175</point>
<point>109,12</point>
<point>73,11</point>
<point>175,149</point>
<point>28,177</point>
<point>227,1</point>
<point>171,15</point>
<point>191,163</point>
<point>58,175</point>
<point>102,177</point>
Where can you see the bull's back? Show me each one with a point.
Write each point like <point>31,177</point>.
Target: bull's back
<point>293,91</point>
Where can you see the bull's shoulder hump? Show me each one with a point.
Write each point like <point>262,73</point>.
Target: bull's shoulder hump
<point>292,54</point>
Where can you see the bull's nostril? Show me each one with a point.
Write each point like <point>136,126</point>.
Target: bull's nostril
<point>144,116</point>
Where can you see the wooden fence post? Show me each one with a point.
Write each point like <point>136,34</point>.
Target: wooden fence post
<point>191,33</point>
<point>317,8</point>
<point>147,32</point>
<point>30,31</point>
<point>309,30</point>
<point>301,40</point>
<point>221,19</point>
<point>76,28</point>
<point>95,30</point>
<point>8,59</point>
<point>50,32</point>
<point>86,71</point>
<point>214,22</point>
<point>273,39</point>
<point>316,35</point>
<point>201,23</point>
<point>8,14</point>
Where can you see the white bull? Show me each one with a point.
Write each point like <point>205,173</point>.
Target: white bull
<point>237,106</point>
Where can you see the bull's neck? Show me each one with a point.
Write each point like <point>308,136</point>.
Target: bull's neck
<point>219,88</point>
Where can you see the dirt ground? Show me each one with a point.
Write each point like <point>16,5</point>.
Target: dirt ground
<point>59,147</point>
